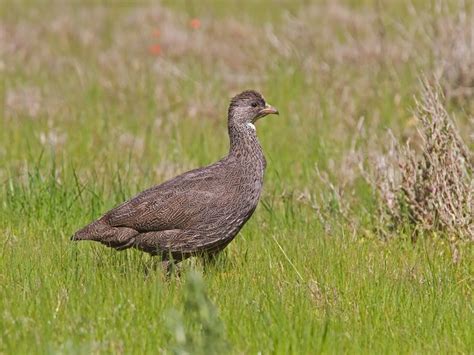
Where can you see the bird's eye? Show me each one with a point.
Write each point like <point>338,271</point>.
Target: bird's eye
<point>254,104</point>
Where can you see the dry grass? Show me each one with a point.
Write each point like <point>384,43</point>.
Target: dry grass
<point>431,189</point>
<point>453,47</point>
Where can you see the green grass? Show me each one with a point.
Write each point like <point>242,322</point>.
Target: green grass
<point>90,117</point>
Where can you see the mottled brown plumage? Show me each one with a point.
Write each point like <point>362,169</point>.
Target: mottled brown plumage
<point>200,211</point>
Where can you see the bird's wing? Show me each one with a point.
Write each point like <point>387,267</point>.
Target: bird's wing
<point>176,204</point>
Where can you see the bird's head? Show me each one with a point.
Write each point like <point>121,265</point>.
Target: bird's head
<point>247,107</point>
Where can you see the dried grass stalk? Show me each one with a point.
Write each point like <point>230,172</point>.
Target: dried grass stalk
<point>453,46</point>
<point>432,189</point>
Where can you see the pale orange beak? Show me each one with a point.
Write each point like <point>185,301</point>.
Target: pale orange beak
<point>268,110</point>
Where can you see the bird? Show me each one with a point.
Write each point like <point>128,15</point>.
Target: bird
<point>199,212</point>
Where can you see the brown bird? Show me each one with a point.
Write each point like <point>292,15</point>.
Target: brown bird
<point>200,211</point>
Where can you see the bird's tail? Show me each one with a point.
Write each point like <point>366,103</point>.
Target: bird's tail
<point>92,231</point>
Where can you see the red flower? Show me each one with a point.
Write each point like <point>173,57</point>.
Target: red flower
<point>195,23</point>
<point>155,49</point>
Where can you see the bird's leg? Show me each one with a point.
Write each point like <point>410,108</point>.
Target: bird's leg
<point>166,266</point>
<point>170,267</point>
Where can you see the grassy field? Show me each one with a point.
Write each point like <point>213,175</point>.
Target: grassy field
<point>102,101</point>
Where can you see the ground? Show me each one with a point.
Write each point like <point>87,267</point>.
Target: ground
<point>103,101</point>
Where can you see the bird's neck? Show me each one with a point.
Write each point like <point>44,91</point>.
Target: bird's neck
<point>244,142</point>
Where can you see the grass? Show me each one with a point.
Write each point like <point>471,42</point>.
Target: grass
<point>91,117</point>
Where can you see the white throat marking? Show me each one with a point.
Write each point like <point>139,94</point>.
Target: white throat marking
<point>251,126</point>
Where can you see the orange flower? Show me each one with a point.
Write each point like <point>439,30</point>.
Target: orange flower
<point>156,33</point>
<point>155,49</point>
<point>195,23</point>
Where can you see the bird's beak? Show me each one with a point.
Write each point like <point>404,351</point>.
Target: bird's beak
<point>268,110</point>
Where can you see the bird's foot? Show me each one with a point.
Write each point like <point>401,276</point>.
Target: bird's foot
<point>170,267</point>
